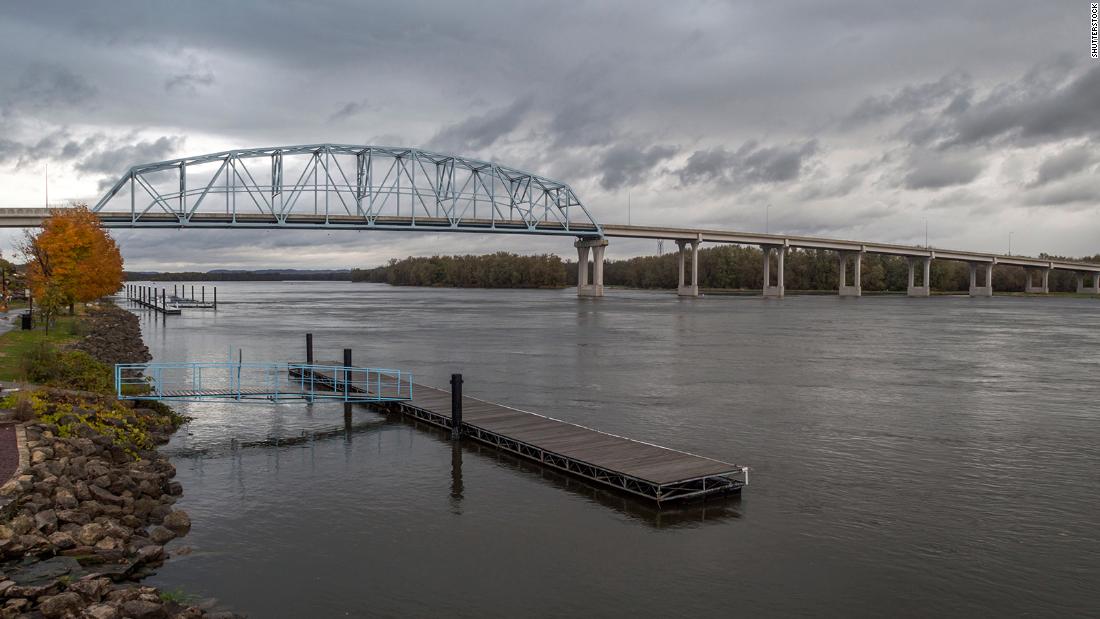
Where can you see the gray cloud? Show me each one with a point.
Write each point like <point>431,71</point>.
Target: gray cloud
<point>188,83</point>
<point>1029,111</point>
<point>349,110</point>
<point>43,87</point>
<point>749,164</point>
<point>625,164</point>
<point>114,159</point>
<point>1067,162</point>
<point>937,170</point>
<point>482,131</point>
<point>950,91</point>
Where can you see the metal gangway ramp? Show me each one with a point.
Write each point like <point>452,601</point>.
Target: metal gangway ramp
<point>271,382</point>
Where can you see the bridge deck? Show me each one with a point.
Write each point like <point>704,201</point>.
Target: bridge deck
<point>643,469</point>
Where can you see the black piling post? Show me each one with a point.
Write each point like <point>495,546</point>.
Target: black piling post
<point>204,294</point>
<point>163,305</point>
<point>347,388</point>
<point>215,297</point>
<point>456,406</point>
<point>309,348</point>
<point>192,292</point>
<point>175,293</point>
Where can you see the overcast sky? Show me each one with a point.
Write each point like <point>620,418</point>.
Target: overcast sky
<point>856,119</point>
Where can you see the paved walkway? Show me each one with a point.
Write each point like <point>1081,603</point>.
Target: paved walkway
<point>9,452</point>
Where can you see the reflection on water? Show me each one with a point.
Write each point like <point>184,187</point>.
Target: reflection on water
<point>912,457</point>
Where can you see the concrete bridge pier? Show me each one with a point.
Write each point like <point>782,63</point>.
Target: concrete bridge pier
<point>985,290</point>
<point>1083,289</point>
<point>692,289</point>
<point>779,251</point>
<point>925,289</point>
<point>855,289</point>
<point>1044,281</point>
<point>595,247</point>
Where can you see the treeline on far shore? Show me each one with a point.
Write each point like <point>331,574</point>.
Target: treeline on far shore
<point>225,275</point>
<point>728,267</point>
<point>499,270</point>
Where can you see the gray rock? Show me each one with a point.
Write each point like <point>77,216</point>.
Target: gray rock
<point>105,496</point>
<point>65,605</point>
<point>64,499</point>
<point>22,524</point>
<point>91,588</point>
<point>73,516</point>
<point>150,554</point>
<point>62,540</point>
<point>46,521</point>
<point>91,533</point>
<point>101,611</point>
<point>178,521</point>
<point>144,609</point>
<point>161,535</point>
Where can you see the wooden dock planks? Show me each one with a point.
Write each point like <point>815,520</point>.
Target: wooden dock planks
<point>653,463</point>
<point>641,468</point>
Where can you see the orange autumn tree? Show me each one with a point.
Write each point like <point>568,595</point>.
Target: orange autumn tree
<point>72,259</point>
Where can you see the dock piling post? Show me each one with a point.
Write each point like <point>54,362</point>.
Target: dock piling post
<point>347,387</point>
<point>204,294</point>
<point>309,348</point>
<point>456,406</point>
<point>215,297</point>
<point>192,292</point>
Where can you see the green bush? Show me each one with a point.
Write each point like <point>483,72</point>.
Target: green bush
<point>70,369</point>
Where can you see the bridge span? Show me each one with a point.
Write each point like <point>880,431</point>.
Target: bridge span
<point>350,187</point>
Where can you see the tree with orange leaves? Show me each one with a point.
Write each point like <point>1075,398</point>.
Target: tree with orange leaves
<point>72,259</point>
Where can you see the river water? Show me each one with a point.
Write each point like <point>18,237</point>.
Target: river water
<point>910,457</point>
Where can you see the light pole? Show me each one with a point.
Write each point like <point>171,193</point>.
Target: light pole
<point>767,218</point>
<point>1010,243</point>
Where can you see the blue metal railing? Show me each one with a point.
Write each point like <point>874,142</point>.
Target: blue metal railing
<point>227,380</point>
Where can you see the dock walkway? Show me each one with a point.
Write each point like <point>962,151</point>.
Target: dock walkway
<point>640,468</point>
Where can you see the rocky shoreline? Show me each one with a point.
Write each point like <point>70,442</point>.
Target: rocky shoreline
<point>89,512</point>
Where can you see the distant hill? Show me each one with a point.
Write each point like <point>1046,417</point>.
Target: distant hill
<point>242,275</point>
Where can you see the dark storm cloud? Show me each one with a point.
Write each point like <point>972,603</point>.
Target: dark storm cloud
<point>950,91</point>
<point>188,83</point>
<point>1029,111</point>
<point>580,124</point>
<point>750,164</point>
<point>627,163</point>
<point>483,130</point>
<point>1063,164</point>
<point>115,159</point>
<point>349,110</point>
<point>43,87</point>
<point>937,170</point>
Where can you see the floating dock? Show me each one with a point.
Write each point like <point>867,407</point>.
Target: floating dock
<point>642,469</point>
<point>160,301</point>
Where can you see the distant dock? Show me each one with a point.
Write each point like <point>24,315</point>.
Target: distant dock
<point>159,301</point>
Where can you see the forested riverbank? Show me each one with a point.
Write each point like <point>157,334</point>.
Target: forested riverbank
<point>726,267</point>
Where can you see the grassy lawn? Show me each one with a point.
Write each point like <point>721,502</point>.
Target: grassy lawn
<point>16,343</point>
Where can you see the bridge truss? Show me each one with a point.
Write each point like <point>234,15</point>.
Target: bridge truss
<point>343,186</point>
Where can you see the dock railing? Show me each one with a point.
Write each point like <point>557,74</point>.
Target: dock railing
<point>227,380</point>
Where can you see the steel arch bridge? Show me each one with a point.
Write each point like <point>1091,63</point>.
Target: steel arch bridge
<point>344,187</point>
